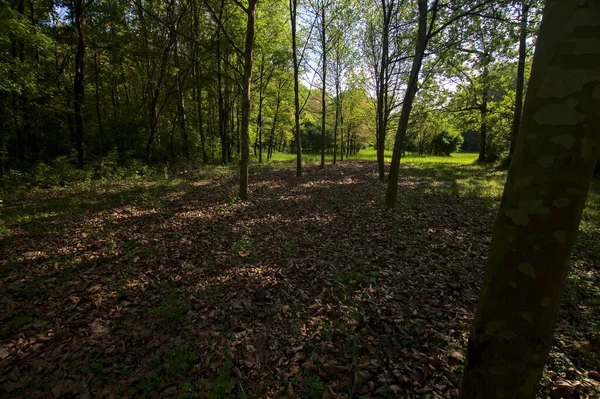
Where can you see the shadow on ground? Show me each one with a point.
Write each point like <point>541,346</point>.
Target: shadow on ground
<point>310,289</point>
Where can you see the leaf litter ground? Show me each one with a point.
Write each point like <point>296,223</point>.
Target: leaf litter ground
<point>309,290</point>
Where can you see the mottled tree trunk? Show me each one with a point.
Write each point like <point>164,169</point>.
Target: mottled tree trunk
<point>541,208</point>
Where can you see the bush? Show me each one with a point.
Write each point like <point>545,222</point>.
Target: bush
<point>445,143</point>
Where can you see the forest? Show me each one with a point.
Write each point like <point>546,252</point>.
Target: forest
<point>300,199</point>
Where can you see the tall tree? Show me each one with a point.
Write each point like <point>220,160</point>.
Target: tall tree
<point>525,5</point>
<point>432,21</point>
<point>296,66</point>
<point>79,85</point>
<point>541,208</point>
<point>250,11</point>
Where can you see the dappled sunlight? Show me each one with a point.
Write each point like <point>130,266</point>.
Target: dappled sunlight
<point>307,275</point>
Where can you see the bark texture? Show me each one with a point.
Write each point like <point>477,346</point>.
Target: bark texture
<point>541,208</point>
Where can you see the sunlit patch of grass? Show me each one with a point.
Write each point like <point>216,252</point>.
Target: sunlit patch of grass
<point>288,157</point>
<point>370,154</point>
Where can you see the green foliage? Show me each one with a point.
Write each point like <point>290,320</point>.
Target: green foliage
<point>445,143</point>
<point>172,308</point>
<point>222,386</point>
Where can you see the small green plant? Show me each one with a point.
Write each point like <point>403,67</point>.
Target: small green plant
<point>222,386</point>
<point>357,276</point>
<point>171,309</point>
<point>244,246</point>
<point>314,386</point>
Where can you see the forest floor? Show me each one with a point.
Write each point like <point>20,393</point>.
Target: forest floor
<point>311,289</point>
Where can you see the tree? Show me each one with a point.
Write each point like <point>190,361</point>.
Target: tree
<point>541,208</point>
<point>250,11</point>
<point>432,21</point>
<point>293,4</point>
<point>79,88</point>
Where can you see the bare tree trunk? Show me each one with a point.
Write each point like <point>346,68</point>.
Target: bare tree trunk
<point>324,86</point>
<point>79,87</point>
<point>293,13</point>
<point>181,104</point>
<point>337,116</point>
<point>483,132</point>
<point>483,111</point>
<point>411,91</point>
<point>260,106</point>
<point>544,196</point>
<point>278,104</point>
<point>341,133</point>
<point>198,88</point>
<point>248,56</point>
<point>97,86</point>
<point>383,89</point>
<point>520,78</point>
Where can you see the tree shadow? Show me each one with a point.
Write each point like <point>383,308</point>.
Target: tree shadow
<point>193,292</point>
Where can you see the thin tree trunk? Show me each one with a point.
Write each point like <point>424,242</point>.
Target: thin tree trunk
<point>181,104</point>
<point>293,13</point>
<point>483,130</point>
<point>382,89</point>
<point>514,132</point>
<point>541,208</point>
<point>113,97</point>
<point>411,91</point>
<point>248,56</point>
<point>98,113</point>
<point>341,133</point>
<point>152,122</point>
<point>337,116</point>
<point>260,106</point>
<point>198,87</point>
<point>324,86</point>
<point>278,104</point>
<point>79,87</point>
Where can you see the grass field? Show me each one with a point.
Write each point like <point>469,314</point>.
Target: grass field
<point>169,286</point>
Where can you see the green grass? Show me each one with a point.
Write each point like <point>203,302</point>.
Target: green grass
<point>370,154</point>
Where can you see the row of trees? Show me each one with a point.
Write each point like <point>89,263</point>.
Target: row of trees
<point>172,80</point>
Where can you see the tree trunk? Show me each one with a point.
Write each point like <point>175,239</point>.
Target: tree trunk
<point>260,106</point>
<point>293,13</point>
<point>324,86</point>
<point>520,79</point>
<point>248,50</point>
<point>181,104</point>
<point>152,122</point>
<point>341,133</point>
<point>79,86</point>
<point>382,89</point>
<point>278,104</point>
<point>541,208</point>
<point>198,87</point>
<point>411,91</point>
<point>483,132</point>
<point>98,113</point>
<point>335,127</point>
<point>200,116</point>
